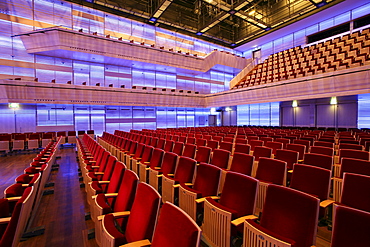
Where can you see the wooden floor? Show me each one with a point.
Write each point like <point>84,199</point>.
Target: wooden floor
<point>63,213</point>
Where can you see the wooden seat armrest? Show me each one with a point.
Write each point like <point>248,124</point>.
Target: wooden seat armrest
<point>13,199</point>
<point>95,167</point>
<point>99,173</point>
<point>116,215</point>
<point>5,220</point>
<point>25,185</point>
<point>147,162</point>
<point>200,200</point>
<point>170,175</point>
<point>157,167</point>
<point>160,175</point>
<point>290,171</point>
<point>300,161</point>
<point>103,182</point>
<point>326,203</point>
<point>121,214</point>
<point>92,161</point>
<point>138,158</point>
<point>178,185</point>
<point>241,220</point>
<point>140,243</point>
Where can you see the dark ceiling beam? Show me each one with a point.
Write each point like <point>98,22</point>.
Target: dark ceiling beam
<point>159,11</point>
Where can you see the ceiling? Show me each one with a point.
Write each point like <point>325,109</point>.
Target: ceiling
<point>229,23</point>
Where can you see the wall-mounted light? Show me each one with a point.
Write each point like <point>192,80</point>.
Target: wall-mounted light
<point>228,108</point>
<point>14,106</point>
<point>295,103</point>
<point>213,110</point>
<point>333,101</point>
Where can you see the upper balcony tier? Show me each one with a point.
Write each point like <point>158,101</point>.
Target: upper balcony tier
<point>66,43</point>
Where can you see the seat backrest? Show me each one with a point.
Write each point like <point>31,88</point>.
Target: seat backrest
<point>274,145</point>
<point>356,154</point>
<point>190,140</point>
<point>220,158</point>
<point>126,192</point>
<point>203,154</point>
<point>116,178</point>
<point>175,227</point>
<point>242,163</point>
<point>261,151</point>
<point>289,156</point>
<point>271,171</point>
<point>169,163</point>
<point>343,235</point>
<point>239,193</point>
<point>323,144</point>
<point>160,143</point>
<point>178,148</point>
<point>319,160</point>
<point>207,180</point>
<point>133,147</point>
<point>189,150</point>
<point>147,153</point>
<point>143,214</point>
<point>168,146</point>
<point>201,142</point>
<point>301,149</point>
<point>185,169</point>
<point>242,148</point>
<point>322,150</point>
<point>306,143</point>
<point>17,223</point>
<point>157,158</point>
<point>291,214</point>
<point>354,191</point>
<point>212,144</point>
<point>311,180</point>
<point>255,143</point>
<point>139,150</point>
<point>241,141</point>
<point>109,168</point>
<point>350,146</point>
<point>226,146</point>
<point>357,166</point>
<point>103,161</point>
<point>154,142</point>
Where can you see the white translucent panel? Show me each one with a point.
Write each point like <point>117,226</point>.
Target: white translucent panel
<point>287,42</point>
<point>364,111</point>
<point>97,74</point>
<point>82,118</point>
<point>63,77</point>
<point>45,75</point>
<point>243,115</point>
<point>6,70</point>
<point>46,115</point>
<point>326,24</point>
<point>275,114</point>
<point>124,26</point>
<point>7,117</point>
<point>98,123</point>
<point>111,127</point>
<point>112,80</point>
<point>254,114</point>
<point>64,114</point>
<point>150,112</point>
<point>278,45</point>
<point>124,127</point>
<point>112,112</point>
<point>312,29</point>
<point>125,82</point>
<point>6,29</point>
<point>24,72</point>
<point>181,118</point>
<point>361,11</point>
<point>62,14</point>
<point>299,37</point>
<point>138,112</point>
<point>339,19</point>
<point>264,114</point>
<point>63,62</point>
<point>44,59</point>
<point>150,125</point>
<point>138,126</point>
<point>21,8</point>
<point>138,78</point>
<point>80,78</point>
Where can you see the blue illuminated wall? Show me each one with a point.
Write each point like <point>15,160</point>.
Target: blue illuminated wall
<point>27,15</point>
<point>264,114</point>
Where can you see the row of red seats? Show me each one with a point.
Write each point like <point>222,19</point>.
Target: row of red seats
<point>21,199</point>
<point>340,53</point>
<point>300,173</point>
<point>117,200</point>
